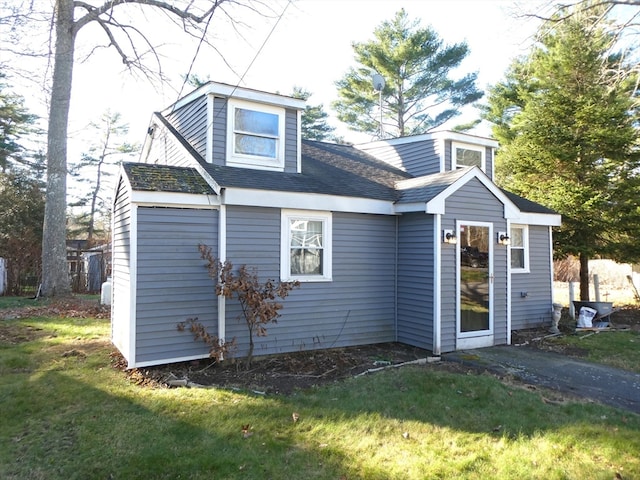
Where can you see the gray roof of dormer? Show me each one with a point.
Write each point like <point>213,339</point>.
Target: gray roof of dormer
<point>423,189</point>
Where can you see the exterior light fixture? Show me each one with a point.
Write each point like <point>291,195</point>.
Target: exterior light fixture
<point>449,237</point>
<point>503,238</point>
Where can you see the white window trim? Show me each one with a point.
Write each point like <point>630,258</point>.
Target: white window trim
<point>285,245</point>
<point>525,247</point>
<point>255,161</point>
<point>468,146</point>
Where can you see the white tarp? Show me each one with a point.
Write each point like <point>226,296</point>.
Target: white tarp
<point>3,276</point>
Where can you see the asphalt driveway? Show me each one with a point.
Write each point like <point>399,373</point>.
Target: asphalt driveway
<point>607,385</point>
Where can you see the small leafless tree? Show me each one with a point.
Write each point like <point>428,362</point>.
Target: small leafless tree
<point>257,298</point>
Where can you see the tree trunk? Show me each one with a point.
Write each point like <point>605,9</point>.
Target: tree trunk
<point>584,277</point>
<point>55,276</point>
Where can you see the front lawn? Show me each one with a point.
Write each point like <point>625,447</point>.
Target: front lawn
<point>66,413</point>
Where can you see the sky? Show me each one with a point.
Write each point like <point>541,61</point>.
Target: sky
<point>309,47</point>
<point>305,43</point>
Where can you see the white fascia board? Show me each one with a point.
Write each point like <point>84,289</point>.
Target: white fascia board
<point>411,207</point>
<point>306,201</point>
<point>548,219</point>
<point>230,91</point>
<point>439,135</point>
<point>175,199</point>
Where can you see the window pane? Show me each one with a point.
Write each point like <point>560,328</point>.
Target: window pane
<point>250,145</point>
<point>256,122</point>
<point>306,261</point>
<point>468,158</point>
<point>517,258</point>
<point>306,233</point>
<point>517,237</point>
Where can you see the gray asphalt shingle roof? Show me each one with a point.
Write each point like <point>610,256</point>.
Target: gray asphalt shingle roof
<point>326,169</point>
<point>163,178</point>
<point>423,189</point>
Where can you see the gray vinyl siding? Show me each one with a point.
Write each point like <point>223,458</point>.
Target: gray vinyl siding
<point>415,280</point>
<point>121,270</point>
<point>533,310</point>
<point>219,131</point>
<point>291,141</point>
<point>191,122</point>
<point>356,308</point>
<point>172,283</point>
<point>167,150</point>
<point>473,202</point>
<point>416,158</point>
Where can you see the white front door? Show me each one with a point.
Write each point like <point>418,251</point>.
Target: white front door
<point>475,285</point>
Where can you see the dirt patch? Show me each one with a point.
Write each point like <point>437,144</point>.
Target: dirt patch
<point>288,372</point>
<point>12,334</point>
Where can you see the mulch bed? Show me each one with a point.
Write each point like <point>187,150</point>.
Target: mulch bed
<point>282,373</point>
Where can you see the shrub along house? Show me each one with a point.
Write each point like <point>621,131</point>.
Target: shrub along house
<point>404,240</point>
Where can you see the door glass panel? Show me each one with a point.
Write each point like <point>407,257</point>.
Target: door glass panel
<point>474,278</point>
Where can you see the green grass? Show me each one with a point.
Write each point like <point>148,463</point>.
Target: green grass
<point>66,414</point>
<point>617,349</point>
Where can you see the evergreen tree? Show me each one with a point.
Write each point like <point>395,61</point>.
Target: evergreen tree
<point>314,118</point>
<point>15,123</point>
<point>567,125</point>
<point>418,95</point>
<point>93,168</point>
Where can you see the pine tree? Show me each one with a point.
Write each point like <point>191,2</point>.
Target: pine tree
<point>565,120</point>
<point>418,94</point>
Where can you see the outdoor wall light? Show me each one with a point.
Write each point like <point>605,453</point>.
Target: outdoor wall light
<point>503,238</point>
<point>449,237</point>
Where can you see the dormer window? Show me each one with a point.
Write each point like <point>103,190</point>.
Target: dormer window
<point>255,135</point>
<point>467,155</point>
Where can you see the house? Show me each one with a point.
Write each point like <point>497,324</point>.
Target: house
<point>405,240</point>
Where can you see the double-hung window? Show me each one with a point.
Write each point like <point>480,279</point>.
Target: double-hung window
<point>306,246</point>
<point>467,155</point>
<point>519,248</point>
<point>255,135</point>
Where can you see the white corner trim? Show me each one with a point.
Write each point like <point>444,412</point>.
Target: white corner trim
<point>210,116</point>
<point>437,284</point>
<point>299,142</point>
<point>222,256</point>
<point>133,281</point>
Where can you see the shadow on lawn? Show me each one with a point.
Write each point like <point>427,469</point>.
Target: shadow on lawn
<point>55,426</point>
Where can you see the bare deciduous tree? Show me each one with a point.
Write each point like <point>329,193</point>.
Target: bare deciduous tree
<point>132,43</point>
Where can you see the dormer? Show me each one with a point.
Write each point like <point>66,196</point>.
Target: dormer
<point>435,152</point>
<point>240,127</point>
